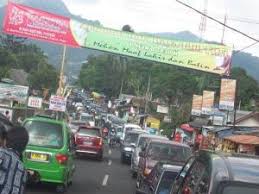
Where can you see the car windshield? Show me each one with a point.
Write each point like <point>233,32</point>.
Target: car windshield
<point>89,131</point>
<point>86,118</point>
<point>170,152</point>
<point>131,137</point>
<point>240,189</point>
<point>166,182</point>
<point>44,134</point>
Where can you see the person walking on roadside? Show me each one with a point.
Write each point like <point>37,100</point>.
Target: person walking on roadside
<point>2,136</point>
<point>7,115</point>
<point>12,171</point>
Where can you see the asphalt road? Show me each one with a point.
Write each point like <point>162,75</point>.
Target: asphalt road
<point>94,177</point>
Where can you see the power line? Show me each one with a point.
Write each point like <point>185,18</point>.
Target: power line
<point>237,51</point>
<point>217,21</point>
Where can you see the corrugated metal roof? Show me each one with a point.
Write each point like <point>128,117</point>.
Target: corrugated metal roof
<point>244,139</point>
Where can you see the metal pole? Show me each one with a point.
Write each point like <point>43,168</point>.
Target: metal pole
<point>224,29</point>
<point>60,87</point>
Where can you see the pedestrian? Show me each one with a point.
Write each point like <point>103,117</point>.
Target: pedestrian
<point>2,136</point>
<point>12,171</point>
<point>7,115</point>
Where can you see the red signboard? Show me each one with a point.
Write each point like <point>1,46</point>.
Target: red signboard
<point>33,23</point>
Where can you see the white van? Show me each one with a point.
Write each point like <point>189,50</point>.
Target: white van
<point>129,127</point>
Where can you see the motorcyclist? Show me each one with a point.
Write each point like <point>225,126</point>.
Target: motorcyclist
<point>112,136</point>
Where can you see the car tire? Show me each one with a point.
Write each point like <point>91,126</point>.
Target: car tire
<point>123,159</point>
<point>134,175</point>
<point>61,188</point>
<point>100,157</point>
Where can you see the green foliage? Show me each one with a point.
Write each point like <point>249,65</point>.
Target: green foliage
<point>247,87</point>
<point>15,53</point>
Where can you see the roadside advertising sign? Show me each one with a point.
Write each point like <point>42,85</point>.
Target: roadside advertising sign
<point>196,105</point>
<point>36,24</point>
<point>57,103</point>
<point>207,102</point>
<point>162,109</point>
<point>35,102</point>
<point>227,94</point>
<point>13,92</point>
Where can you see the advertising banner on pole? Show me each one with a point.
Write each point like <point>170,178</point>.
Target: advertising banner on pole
<point>196,105</point>
<point>35,102</point>
<point>227,94</point>
<point>13,92</point>
<point>57,103</point>
<point>33,23</point>
<point>207,102</point>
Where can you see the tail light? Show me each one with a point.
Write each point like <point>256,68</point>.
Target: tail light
<point>147,171</point>
<point>61,158</point>
<point>99,141</point>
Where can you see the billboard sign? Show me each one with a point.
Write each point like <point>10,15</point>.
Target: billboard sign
<point>207,102</point>
<point>196,105</point>
<point>33,23</point>
<point>35,102</point>
<point>227,94</point>
<point>57,103</point>
<point>162,109</point>
<point>13,92</point>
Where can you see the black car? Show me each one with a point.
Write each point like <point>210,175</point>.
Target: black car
<point>209,172</point>
<point>128,145</point>
<point>161,178</point>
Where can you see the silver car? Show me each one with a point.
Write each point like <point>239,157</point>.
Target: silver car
<point>142,139</point>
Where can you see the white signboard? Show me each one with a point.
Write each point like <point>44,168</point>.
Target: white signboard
<point>13,92</point>
<point>162,109</point>
<point>57,103</point>
<point>34,102</point>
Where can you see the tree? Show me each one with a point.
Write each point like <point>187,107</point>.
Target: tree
<point>45,77</point>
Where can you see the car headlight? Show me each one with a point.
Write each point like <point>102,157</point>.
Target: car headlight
<point>128,149</point>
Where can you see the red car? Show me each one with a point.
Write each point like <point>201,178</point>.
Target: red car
<point>89,141</point>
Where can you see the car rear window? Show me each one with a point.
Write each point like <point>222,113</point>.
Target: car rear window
<point>44,134</point>
<point>142,141</point>
<point>89,131</point>
<point>131,137</point>
<point>166,182</point>
<point>168,152</point>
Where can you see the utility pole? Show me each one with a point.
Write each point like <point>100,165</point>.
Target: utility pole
<point>61,75</point>
<point>203,23</point>
<point>224,29</point>
<point>147,92</point>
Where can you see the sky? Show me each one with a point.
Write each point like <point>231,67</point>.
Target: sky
<point>170,16</point>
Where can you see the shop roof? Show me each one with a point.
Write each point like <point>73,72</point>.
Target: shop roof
<point>244,139</point>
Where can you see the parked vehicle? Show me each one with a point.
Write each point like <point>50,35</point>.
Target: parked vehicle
<point>209,172</point>
<point>128,127</point>
<point>129,144</point>
<point>161,179</point>
<point>160,150</point>
<point>49,156</point>
<point>141,142</point>
<point>89,141</point>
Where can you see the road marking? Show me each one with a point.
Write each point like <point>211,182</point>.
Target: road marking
<point>110,162</point>
<point>105,180</point>
<point>109,152</point>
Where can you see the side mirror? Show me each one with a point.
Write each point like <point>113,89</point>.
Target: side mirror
<point>142,154</point>
<point>133,145</point>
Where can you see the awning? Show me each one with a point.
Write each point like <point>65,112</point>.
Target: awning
<point>244,139</point>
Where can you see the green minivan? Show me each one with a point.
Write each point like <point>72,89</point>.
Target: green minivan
<point>49,155</point>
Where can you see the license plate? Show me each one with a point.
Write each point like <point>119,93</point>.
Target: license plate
<point>39,157</point>
<point>87,143</point>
